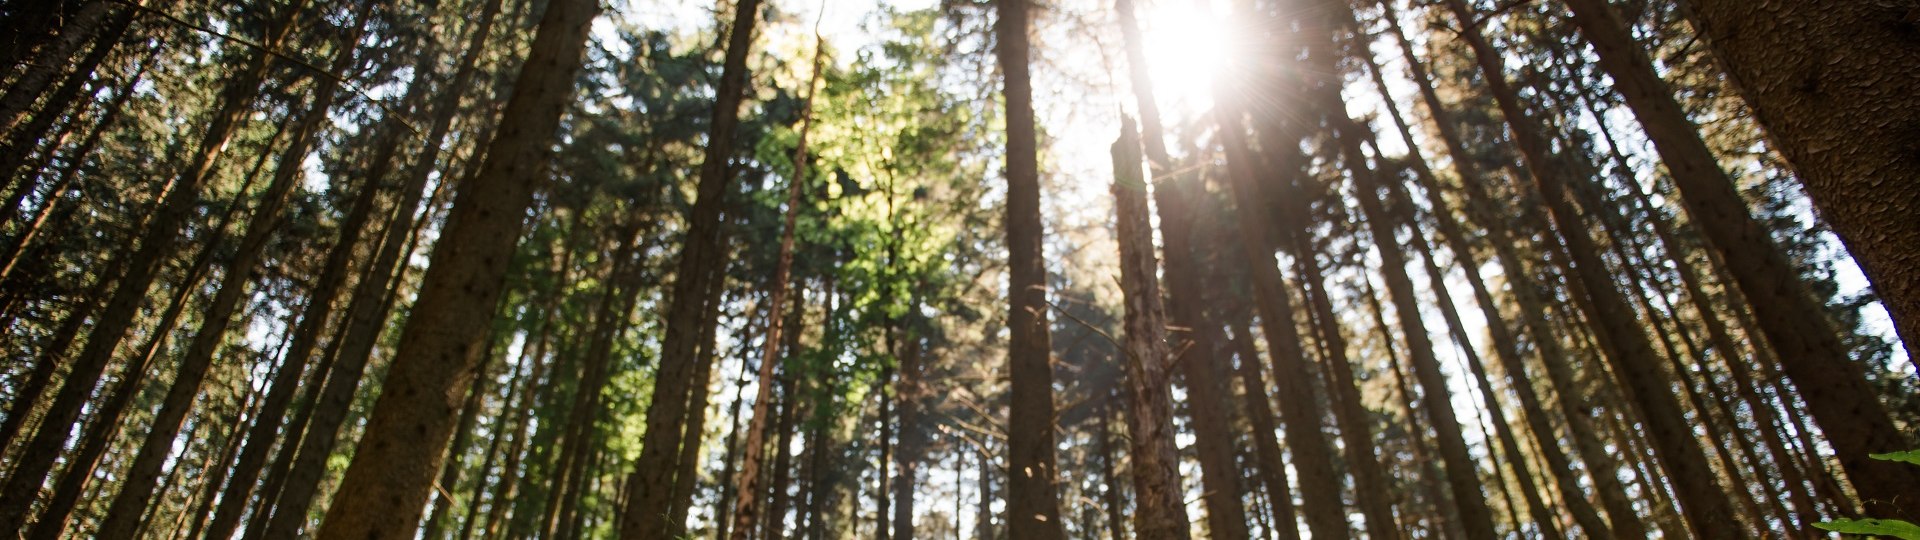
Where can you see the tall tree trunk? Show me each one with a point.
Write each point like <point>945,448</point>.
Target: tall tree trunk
<point>688,463</point>
<point>747,506</point>
<point>1844,102</point>
<point>1355,422</point>
<point>139,269</point>
<point>1260,420</point>
<point>387,483</point>
<point>649,493</point>
<point>1033,508</point>
<point>1160,511</point>
<point>1198,347</point>
<point>1312,453</point>
<point>776,522</point>
<point>449,482</point>
<point>912,447</point>
<point>1442,522</point>
<point>1703,502</point>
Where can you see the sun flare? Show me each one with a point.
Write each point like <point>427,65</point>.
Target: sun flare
<point>1186,45</point>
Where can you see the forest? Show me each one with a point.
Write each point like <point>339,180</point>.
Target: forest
<point>987,269</point>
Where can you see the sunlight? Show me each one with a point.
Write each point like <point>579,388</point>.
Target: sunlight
<point>1186,46</point>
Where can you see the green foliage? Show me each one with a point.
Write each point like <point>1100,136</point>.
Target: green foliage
<point>1879,527</point>
<point>1911,457</point>
<point>1876,527</point>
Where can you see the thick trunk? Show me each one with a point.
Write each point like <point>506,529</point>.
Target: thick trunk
<point>1033,508</point>
<point>387,483</point>
<point>650,492</point>
<point>1811,122</point>
<point>1832,86</point>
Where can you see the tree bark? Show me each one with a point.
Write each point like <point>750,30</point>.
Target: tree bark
<point>649,493</point>
<point>1033,508</point>
<point>387,483</point>
<point>1160,512</point>
<point>1830,85</point>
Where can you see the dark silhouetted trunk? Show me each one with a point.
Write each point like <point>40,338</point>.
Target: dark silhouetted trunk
<point>1033,508</point>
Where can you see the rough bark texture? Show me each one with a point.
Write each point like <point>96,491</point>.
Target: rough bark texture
<point>1159,511</point>
<point>650,492</point>
<point>1841,124</point>
<point>1832,84</point>
<point>1033,509</point>
<point>1195,350</point>
<point>387,484</point>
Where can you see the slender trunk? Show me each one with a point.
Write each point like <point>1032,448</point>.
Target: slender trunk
<point>615,313</point>
<point>729,462</point>
<point>387,483</point>
<point>1260,420</point>
<point>1195,353</point>
<point>517,388</point>
<point>1312,453</point>
<point>1461,473</point>
<point>1033,508</point>
<point>435,527</point>
<point>776,522</point>
<point>688,463</point>
<point>1703,502</point>
<point>1356,431</point>
<point>1623,517</point>
<point>1110,496</point>
<point>1160,511</point>
<point>650,492</point>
